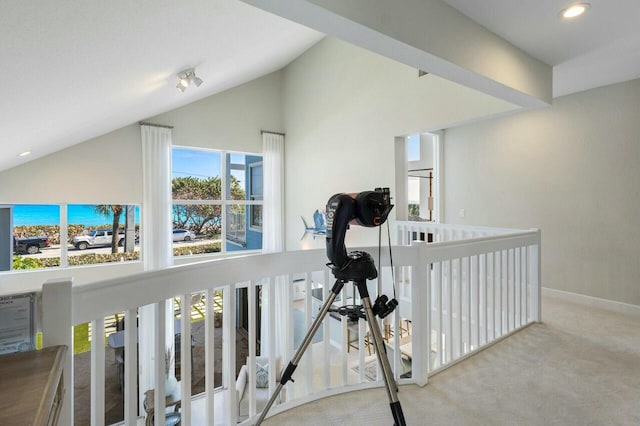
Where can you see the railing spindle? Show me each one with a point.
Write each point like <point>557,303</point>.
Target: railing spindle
<point>251,359</point>
<point>459,299</point>
<point>468,288</point>
<point>131,369</point>
<point>516,284</point>
<point>97,372</point>
<point>344,323</point>
<point>449,299</point>
<point>439,312</point>
<point>229,351</point>
<point>209,366</point>
<point>160,312</point>
<point>326,328</point>
<point>185,357</point>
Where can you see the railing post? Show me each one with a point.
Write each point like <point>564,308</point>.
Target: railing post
<point>420,315</point>
<point>536,276</point>
<point>57,329</point>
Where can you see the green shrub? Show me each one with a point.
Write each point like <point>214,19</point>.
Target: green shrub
<point>20,262</point>
<point>200,249</point>
<point>50,262</point>
<point>93,259</point>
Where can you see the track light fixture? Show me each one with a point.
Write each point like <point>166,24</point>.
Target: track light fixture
<point>186,78</point>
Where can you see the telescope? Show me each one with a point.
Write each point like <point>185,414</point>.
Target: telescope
<point>368,209</point>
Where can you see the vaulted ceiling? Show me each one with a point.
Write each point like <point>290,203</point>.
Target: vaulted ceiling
<point>73,70</point>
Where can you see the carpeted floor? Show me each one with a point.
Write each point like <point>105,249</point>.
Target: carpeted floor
<point>114,406</point>
<point>580,366</point>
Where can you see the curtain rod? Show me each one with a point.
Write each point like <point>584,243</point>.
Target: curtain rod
<point>144,123</point>
<point>262,132</point>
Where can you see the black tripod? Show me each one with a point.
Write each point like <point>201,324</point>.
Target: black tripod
<point>358,270</point>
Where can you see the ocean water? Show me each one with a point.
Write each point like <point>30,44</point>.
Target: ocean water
<point>49,214</point>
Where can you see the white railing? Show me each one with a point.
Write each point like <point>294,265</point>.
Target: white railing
<point>436,232</point>
<point>477,291</point>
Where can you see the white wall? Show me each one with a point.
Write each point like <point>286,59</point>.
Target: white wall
<point>231,119</point>
<point>343,106</point>
<point>105,170</point>
<point>572,170</point>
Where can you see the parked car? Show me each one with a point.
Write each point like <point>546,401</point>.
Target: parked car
<point>31,245</point>
<point>183,235</point>
<point>96,238</point>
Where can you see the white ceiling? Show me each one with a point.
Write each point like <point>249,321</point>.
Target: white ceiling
<point>601,47</point>
<point>75,69</point>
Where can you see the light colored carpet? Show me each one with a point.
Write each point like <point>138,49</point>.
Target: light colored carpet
<point>581,366</point>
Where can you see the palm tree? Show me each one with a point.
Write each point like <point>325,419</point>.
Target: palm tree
<point>115,210</point>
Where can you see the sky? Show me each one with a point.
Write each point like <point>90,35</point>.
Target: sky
<point>49,214</point>
<point>197,163</point>
<point>413,148</point>
<point>202,163</point>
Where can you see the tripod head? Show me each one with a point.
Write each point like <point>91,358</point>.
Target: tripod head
<point>367,208</point>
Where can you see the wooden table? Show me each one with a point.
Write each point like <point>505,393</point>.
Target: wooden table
<point>32,386</point>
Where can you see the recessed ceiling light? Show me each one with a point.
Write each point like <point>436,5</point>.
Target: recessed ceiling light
<point>24,154</point>
<point>574,10</point>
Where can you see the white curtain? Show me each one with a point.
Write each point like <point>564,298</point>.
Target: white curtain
<point>273,170</point>
<point>156,205</point>
<point>156,240</point>
<point>273,242</point>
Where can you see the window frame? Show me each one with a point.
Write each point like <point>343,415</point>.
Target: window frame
<point>225,200</point>
<point>251,197</point>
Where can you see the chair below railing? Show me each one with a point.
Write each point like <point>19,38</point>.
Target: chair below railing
<point>462,296</point>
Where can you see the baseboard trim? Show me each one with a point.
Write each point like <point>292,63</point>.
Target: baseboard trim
<point>596,302</point>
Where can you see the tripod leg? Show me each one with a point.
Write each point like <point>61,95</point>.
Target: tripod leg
<point>390,383</point>
<point>293,364</point>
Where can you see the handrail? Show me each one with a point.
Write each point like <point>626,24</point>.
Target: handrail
<point>119,294</point>
<point>448,226</point>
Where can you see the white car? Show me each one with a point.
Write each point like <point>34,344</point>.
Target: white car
<point>96,238</point>
<point>183,235</point>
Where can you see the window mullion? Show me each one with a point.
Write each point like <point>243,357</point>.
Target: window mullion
<point>223,196</point>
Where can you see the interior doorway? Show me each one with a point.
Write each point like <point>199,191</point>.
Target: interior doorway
<point>419,177</point>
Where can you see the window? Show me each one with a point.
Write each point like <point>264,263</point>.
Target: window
<point>36,236</point>
<point>39,236</point>
<point>212,193</point>
<point>422,184</point>
<point>255,194</point>
<point>91,233</point>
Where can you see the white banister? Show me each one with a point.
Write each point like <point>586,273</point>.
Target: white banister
<point>57,322</point>
<point>460,296</point>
